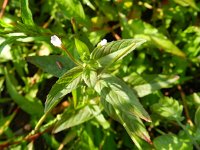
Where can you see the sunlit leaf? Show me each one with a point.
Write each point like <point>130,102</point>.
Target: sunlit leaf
<point>115,50</point>
<point>132,124</point>
<point>170,141</point>
<point>168,108</point>
<point>26,13</point>
<point>82,49</point>
<point>64,85</point>
<point>121,96</point>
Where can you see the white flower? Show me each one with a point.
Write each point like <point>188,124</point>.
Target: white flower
<point>102,43</point>
<point>56,41</point>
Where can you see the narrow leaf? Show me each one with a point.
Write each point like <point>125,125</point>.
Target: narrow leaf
<point>26,13</point>
<point>33,108</point>
<point>132,124</point>
<point>64,85</point>
<point>90,77</point>
<point>121,96</point>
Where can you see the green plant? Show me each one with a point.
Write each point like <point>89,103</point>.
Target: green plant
<point>146,79</point>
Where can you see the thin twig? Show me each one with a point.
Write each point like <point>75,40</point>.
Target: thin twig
<point>3,8</point>
<point>185,105</point>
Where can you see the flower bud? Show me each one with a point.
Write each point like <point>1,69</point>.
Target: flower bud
<point>56,41</point>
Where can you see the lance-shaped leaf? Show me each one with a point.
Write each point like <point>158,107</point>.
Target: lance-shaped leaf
<point>32,107</point>
<point>133,125</point>
<point>147,84</point>
<point>64,85</point>
<point>121,96</point>
<point>113,51</point>
<point>75,117</point>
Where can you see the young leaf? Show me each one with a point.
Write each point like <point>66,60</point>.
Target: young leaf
<point>113,51</point>
<point>33,108</point>
<point>147,84</point>
<point>76,117</point>
<point>26,13</point>
<point>82,49</point>
<point>64,85</point>
<point>168,108</point>
<point>53,64</point>
<point>90,77</point>
<point>121,96</point>
<point>132,124</point>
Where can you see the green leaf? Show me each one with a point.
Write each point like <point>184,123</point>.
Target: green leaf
<point>132,124</point>
<point>139,29</point>
<point>32,107</point>
<point>76,117</point>
<point>168,108</point>
<point>147,84</point>
<point>8,40</point>
<point>121,96</point>
<point>26,13</point>
<point>64,85</point>
<point>72,9</point>
<point>170,141</point>
<point>197,118</point>
<point>82,49</point>
<point>53,64</point>
<point>113,51</point>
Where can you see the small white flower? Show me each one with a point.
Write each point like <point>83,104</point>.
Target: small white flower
<point>102,43</point>
<point>56,41</point>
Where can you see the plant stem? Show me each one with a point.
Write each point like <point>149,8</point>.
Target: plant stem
<point>185,105</point>
<point>70,56</point>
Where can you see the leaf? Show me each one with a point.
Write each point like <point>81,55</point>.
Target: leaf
<point>76,117</point>
<point>168,108</point>
<point>53,64</point>
<point>8,40</point>
<point>190,3</point>
<point>197,118</point>
<point>64,85</point>
<point>32,107</point>
<point>132,124</point>
<point>72,9</point>
<point>26,13</point>
<point>147,84</point>
<point>90,77</point>
<point>113,51</point>
<point>82,49</point>
<point>171,141</point>
<point>121,96</point>
<point>138,29</point>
